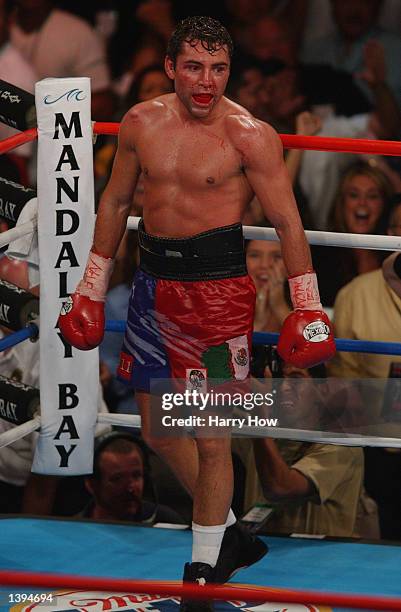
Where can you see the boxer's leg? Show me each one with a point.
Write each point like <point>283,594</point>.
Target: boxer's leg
<point>214,486</point>
<point>212,498</point>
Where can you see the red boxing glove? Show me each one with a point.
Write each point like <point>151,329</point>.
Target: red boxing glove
<point>306,338</point>
<point>81,319</point>
<point>81,322</point>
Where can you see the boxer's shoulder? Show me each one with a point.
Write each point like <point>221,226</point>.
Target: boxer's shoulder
<point>249,134</point>
<point>148,112</point>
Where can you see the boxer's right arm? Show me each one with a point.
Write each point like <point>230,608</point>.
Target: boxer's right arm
<point>306,337</point>
<point>82,320</point>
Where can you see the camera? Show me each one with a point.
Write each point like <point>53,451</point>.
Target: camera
<point>265,355</point>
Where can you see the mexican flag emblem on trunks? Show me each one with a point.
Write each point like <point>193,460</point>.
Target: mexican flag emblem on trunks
<point>228,361</point>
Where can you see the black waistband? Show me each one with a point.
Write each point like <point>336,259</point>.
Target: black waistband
<point>215,254</point>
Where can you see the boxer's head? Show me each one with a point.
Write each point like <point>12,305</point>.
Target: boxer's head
<point>198,61</point>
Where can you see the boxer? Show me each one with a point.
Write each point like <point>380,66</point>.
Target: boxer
<point>202,158</point>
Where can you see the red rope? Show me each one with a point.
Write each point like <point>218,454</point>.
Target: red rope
<point>343,145</point>
<point>312,143</point>
<point>8,144</point>
<point>290,141</point>
<point>106,128</point>
<point>227,593</point>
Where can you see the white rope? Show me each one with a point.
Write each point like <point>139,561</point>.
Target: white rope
<point>321,437</point>
<point>18,231</point>
<point>337,239</point>
<point>304,435</point>
<point>124,420</point>
<point>18,432</point>
<point>134,420</point>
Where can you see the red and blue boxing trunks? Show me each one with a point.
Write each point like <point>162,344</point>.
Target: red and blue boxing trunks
<point>191,310</point>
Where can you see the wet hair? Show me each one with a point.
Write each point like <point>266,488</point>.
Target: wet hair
<point>337,217</point>
<point>208,31</point>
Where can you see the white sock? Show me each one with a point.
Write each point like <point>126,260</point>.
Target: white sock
<point>231,518</point>
<point>206,542</point>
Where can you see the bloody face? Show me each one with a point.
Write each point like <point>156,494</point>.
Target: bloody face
<point>200,77</point>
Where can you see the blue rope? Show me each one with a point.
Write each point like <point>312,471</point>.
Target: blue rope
<point>19,336</point>
<point>343,344</point>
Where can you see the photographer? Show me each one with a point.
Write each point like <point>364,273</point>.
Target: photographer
<point>313,488</point>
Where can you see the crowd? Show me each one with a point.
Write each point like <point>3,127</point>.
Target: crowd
<point>344,84</point>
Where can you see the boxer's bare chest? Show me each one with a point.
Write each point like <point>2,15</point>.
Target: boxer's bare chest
<point>200,156</point>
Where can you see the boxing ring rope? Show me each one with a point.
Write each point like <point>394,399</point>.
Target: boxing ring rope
<point>337,239</point>
<point>31,331</point>
<point>134,421</point>
<point>343,344</point>
<point>18,232</point>
<point>290,141</point>
<point>311,143</point>
<point>19,578</point>
<point>225,593</point>
<point>20,431</point>
<point>12,142</point>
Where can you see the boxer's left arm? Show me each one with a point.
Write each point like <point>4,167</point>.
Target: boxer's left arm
<point>392,272</point>
<point>306,338</point>
<point>117,197</point>
<point>82,319</point>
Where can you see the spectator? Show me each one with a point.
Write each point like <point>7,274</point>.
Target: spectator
<point>42,34</point>
<point>368,309</point>
<point>14,69</point>
<point>266,268</point>
<point>120,472</point>
<point>319,20</point>
<point>392,264</point>
<point>139,41</point>
<point>313,488</point>
<point>357,34</point>
<point>361,206</point>
<point>241,14</point>
<point>246,87</point>
<point>149,83</point>
<point>320,171</point>
<point>270,38</point>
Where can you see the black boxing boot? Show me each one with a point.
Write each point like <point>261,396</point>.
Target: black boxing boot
<point>239,549</point>
<point>202,573</point>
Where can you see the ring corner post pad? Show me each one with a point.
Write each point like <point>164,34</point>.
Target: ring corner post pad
<point>17,107</point>
<point>69,378</point>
